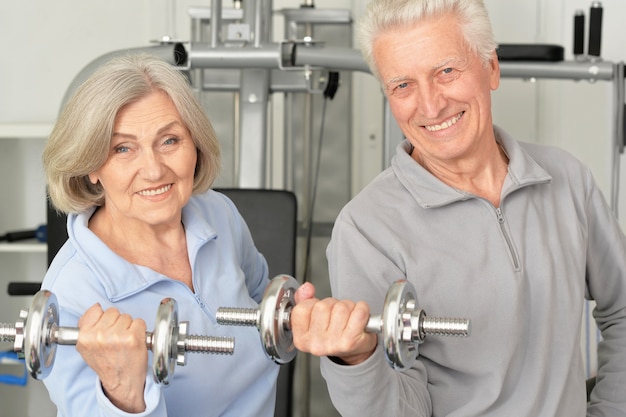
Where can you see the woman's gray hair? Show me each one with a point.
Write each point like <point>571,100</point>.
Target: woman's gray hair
<point>382,15</point>
<point>80,140</point>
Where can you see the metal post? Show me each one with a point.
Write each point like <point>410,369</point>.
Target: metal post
<point>253,104</point>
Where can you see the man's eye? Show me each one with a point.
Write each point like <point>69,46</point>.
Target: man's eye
<point>447,70</point>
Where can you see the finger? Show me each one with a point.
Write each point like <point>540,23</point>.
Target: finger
<point>123,321</point>
<point>91,316</point>
<point>305,292</point>
<point>138,326</point>
<point>309,321</point>
<point>110,317</point>
<point>131,332</point>
<point>359,317</point>
<point>340,316</point>
<point>300,316</point>
<point>321,315</point>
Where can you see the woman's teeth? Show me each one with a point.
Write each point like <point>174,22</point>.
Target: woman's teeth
<point>444,125</point>
<point>155,192</point>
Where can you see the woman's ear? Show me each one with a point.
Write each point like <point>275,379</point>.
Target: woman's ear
<point>93,178</point>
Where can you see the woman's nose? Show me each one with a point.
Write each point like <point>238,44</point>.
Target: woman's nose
<point>152,166</point>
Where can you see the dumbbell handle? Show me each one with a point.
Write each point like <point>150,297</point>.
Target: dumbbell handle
<point>191,343</point>
<point>7,332</point>
<point>421,325</point>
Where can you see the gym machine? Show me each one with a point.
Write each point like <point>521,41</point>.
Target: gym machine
<point>36,335</point>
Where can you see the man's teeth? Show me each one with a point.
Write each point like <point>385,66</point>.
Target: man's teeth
<point>444,125</point>
<point>155,192</point>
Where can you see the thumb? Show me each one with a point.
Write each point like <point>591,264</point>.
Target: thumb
<point>305,292</point>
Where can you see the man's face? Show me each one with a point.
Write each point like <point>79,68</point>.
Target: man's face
<point>438,90</point>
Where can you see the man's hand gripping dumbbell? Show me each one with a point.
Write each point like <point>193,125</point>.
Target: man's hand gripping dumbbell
<point>340,328</point>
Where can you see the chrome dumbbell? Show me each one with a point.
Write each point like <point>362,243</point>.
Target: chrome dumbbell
<point>402,325</point>
<point>37,334</point>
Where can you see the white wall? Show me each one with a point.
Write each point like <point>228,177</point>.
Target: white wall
<point>46,44</point>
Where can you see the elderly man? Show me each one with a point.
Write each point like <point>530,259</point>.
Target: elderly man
<point>512,235</point>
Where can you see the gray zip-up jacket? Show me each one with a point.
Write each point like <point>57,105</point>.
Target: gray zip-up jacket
<point>519,272</point>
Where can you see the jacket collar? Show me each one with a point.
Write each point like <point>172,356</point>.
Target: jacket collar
<point>428,191</point>
<point>119,277</point>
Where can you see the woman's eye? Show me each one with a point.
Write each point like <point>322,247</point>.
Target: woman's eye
<point>121,149</point>
<point>170,141</point>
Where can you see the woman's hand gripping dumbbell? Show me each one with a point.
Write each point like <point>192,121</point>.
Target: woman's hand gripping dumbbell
<point>401,324</point>
<point>36,335</point>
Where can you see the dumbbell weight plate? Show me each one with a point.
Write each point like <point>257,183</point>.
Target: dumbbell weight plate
<point>43,317</point>
<point>164,339</point>
<point>274,320</point>
<point>396,317</point>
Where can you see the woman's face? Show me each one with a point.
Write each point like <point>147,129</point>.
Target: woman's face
<point>149,172</point>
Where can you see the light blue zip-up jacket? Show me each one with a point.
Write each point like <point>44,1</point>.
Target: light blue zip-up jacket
<point>520,272</point>
<point>227,271</point>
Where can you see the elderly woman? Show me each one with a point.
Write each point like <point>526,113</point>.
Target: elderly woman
<point>131,159</point>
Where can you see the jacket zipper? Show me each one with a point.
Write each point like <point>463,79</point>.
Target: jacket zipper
<point>507,238</point>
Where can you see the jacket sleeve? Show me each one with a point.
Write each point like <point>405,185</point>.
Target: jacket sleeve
<point>606,285</point>
<point>359,270</point>
<point>253,263</point>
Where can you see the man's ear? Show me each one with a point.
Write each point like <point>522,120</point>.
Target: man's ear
<point>494,65</point>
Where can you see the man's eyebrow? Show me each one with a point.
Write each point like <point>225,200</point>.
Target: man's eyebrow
<point>441,64</point>
<point>446,62</point>
<point>395,80</point>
